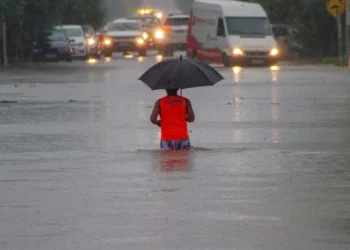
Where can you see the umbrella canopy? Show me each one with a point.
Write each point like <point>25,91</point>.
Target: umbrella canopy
<point>180,73</point>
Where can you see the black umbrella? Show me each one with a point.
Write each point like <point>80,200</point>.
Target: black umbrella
<point>180,74</point>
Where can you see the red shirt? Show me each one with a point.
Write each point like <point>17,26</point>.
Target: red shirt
<point>173,118</point>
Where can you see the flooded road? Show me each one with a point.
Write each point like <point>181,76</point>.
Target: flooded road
<point>80,166</point>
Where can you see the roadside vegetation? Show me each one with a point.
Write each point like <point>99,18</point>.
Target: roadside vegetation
<point>25,19</point>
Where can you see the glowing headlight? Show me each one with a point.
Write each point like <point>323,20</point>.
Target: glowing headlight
<point>159,34</point>
<point>107,41</point>
<point>91,41</point>
<point>145,35</point>
<point>159,15</point>
<point>274,52</point>
<point>140,41</point>
<point>237,52</point>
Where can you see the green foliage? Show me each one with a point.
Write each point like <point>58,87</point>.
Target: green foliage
<point>26,18</point>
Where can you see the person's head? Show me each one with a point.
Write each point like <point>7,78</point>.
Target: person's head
<point>171,91</point>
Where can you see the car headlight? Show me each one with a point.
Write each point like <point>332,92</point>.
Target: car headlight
<point>159,15</point>
<point>107,41</point>
<point>91,41</point>
<point>159,34</point>
<point>237,52</point>
<point>145,35</point>
<point>140,41</point>
<point>274,52</point>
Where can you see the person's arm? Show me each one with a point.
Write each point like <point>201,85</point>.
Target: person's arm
<point>190,117</point>
<point>155,113</point>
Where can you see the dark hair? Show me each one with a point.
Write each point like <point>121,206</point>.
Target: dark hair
<point>171,91</point>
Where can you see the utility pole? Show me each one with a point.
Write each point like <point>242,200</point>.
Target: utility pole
<point>4,40</point>
<point>347,32</point>
<point>340,41</point>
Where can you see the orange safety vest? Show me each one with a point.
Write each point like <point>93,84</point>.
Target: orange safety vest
<point>173,118</point>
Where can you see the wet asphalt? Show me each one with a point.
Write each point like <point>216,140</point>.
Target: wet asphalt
<point>80,166</point>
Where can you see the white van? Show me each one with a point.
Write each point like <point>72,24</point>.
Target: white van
<point>231,33</point>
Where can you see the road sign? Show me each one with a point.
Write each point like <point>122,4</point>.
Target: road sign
<point>336,7</point>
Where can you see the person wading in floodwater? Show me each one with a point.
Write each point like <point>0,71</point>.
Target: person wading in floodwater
<point>174,112</point>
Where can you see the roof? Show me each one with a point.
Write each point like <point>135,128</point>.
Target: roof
<point>68,27</point>
<point>178,16</point>
<point>125,20</point>
<point>235,8</point>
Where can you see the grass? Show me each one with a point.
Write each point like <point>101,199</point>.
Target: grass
<point>333,61</point>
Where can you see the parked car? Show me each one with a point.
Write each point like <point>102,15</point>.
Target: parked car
<point>52,45</point>
<point>173,35</point>
<point>94,46</point>
<point>286,37</point>
<point>76,36</point>
<point>124,35</point>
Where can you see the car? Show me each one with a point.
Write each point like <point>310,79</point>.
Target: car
<point>149,25</point>
<point>94,46</point>
<point>124,35</point>
<point>287,39</point>
<point>173,35</point>
<point>231,33</point>
<point>52,45</point>
<point>76,36</point>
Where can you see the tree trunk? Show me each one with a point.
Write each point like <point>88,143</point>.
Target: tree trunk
<point>4,40</point>
<point>18,43</point>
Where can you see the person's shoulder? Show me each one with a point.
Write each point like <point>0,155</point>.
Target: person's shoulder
<point>187,100</point>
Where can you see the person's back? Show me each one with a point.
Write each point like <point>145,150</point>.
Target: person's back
<point>174,111</point>
<point>173,118</point>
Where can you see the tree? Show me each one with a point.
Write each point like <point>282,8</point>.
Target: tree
<point>25,19</point>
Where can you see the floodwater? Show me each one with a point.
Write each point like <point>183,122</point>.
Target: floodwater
<point>80,166</point>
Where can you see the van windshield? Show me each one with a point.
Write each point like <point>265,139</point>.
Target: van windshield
<point>127,26</point>
<point>249,26</point>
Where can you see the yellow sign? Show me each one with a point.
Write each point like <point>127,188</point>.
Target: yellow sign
<point>336,7</point>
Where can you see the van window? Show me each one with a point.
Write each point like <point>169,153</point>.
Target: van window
<point>255,26</point>
<point>221,28</point>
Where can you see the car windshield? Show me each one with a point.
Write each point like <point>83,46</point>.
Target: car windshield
<point>176,21</point>
<point>73,32</point>
<point>251,26</point>
<point>124,26</point>
<point>56,36</point>
<point>149,22</point>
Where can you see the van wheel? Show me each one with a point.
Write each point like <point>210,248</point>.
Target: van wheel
<point>226,61</point>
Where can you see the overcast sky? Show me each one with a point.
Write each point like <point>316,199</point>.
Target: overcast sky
<point>166,5</point>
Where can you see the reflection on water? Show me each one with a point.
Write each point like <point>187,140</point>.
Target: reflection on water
<point>159,58</point>
<point>91,61</point>
<point>108,59</point>
<point>129,56</point>
<point>172,161</point>
<point>107,76</point>
<point>237,135</point>
<point>274,73</point>
<point>236,74</point>
<point>275,135</point>
<point>140,58</point>
<point>275,105</point>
